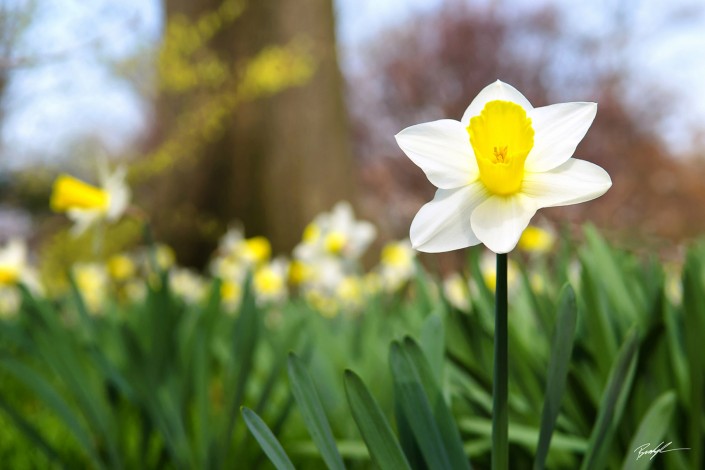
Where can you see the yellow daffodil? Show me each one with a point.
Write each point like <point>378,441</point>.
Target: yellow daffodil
<point>497,166</point>
<point>14,267</point>
<point>85,204</point>
<point>335,234</point>
<point>488,267</point>
<point>396,264</point>
<point>255,250</point>
<point>230,294</point>
<point>536,240</point>
<point>92,282</point>
<point>13,259</point>
<point>121,267</point>
<point>350,293</point>
<point>269,281</point>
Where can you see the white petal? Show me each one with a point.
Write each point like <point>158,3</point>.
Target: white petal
<point>444,223</point>
<point>500,220</point>
<point>496,91</point>
<point>119,192</point>
<point>361,235</point>
<point>573,182</point>
<point>442,150</point>
<point>82,219</point>
<point>558,129</point>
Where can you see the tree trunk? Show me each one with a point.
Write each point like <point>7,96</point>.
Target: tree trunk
<point>279,160</point>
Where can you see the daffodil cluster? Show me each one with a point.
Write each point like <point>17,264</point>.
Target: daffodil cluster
<point>237,256</point>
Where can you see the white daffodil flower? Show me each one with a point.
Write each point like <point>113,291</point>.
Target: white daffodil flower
<point>336,234</point>
<point>269,281</point>
<point>396,264</point>
<point>14,267</point>
<point>497,166</point>
<point>188,285</point>
<point>13,262</point>
<point>85,204</point>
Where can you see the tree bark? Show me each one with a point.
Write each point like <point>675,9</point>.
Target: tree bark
<point>280,160</point>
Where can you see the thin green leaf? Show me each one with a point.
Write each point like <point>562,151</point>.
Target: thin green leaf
<point>374,428</point>
<point>525,436</point>
<point>48,395</point>
<point>266,439</point>
<point>433,344</point>
<point>613,401</point>
<point>31,432</point>
<point>312,411</point>
<point>245,337</point>
<point>562,350</point>
<point>417,410</point>
<point>650,432</point>
<point>444,418</point>
<point>693,326</point>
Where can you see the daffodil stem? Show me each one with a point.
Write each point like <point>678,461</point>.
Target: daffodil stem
<point>500,412</point>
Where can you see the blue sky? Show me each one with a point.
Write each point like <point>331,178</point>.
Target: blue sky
<point>72,92</point>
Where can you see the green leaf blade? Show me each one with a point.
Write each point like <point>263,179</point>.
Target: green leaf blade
<point>266,439</point>
<point>557,371</point>
<point>651,430</point>
<point>312,411</point>
<point>374,428</point>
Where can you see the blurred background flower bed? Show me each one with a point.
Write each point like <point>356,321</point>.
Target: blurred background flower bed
<point>191,190</point>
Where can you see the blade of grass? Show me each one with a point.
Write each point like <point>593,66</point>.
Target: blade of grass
<point>48,396</point>
<point>693,326</point>
<point>651,430</point>
<point>613,400</point>
<point>312,411</point>
<point>433,344</point>
<point>443,416</point>
<point>32,433</point>
<point>266,439</point>
<point>417,410</point>
<point>562,350</point>
<point>374,428</point>
<point>525,436</point>
<point>245,338</point>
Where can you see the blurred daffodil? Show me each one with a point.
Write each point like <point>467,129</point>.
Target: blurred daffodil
<point>187,284</point>
<point>269,282</point>
<point>13,259</point>
<point>14,270</point>
<point>536,240</point>
<point>497,166</point>
<point>350,293</point>
<point>85,204</point>
<point>255,250</point>
<point>488,267</point>
<point>92,282</point>
<point>230,294</point>
<point>396,264</point>
<point>14,267</point>
<point>456,291</point>
<point>121,267</point>
<point>336,234</point>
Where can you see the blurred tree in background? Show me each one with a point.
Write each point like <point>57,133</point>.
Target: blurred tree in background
<point>250,122</point>
<point>14,19</point>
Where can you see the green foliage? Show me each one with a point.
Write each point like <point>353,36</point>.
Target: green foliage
<point>158,383</point>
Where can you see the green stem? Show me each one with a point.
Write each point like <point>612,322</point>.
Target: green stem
<point>500,415</point>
